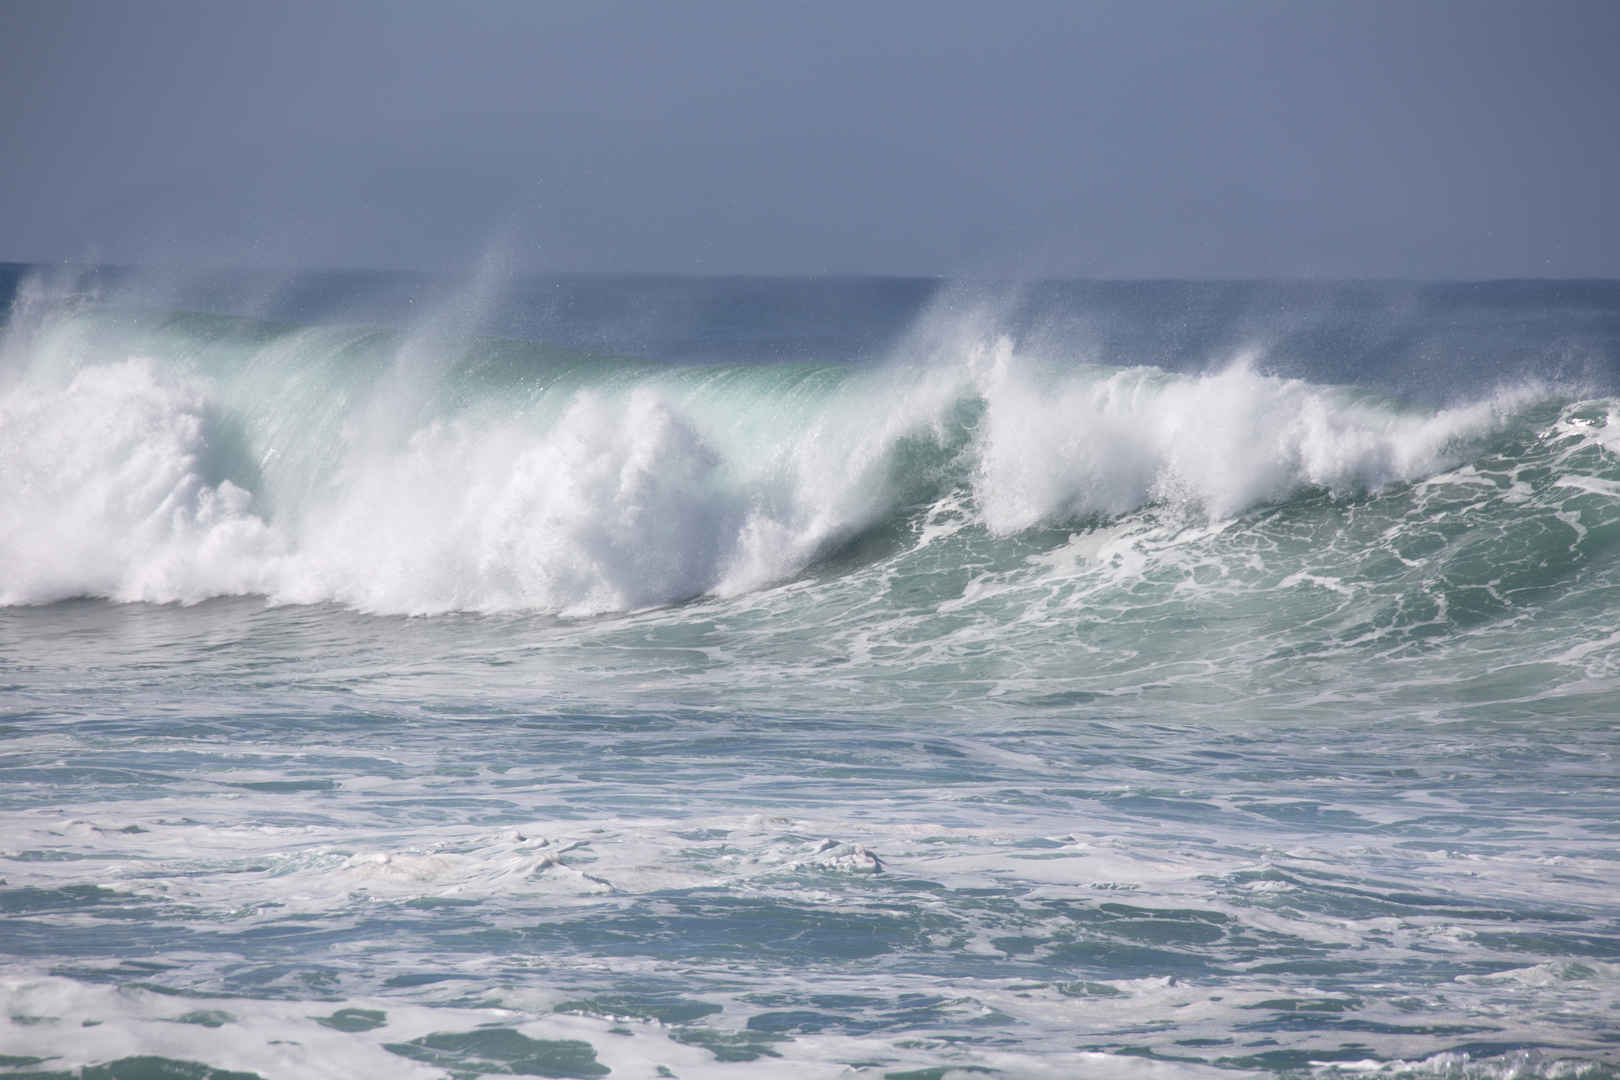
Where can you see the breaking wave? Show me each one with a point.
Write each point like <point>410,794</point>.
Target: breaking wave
<point>172,458</point>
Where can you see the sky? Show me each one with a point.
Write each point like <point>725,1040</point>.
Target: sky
<point>1156,138</point>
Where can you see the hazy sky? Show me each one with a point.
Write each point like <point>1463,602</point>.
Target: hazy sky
<point>1175,138</point>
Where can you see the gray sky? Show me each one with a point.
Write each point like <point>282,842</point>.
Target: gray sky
<point>1174,138</point>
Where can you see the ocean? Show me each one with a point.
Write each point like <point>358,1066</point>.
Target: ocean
<point>769,677</point>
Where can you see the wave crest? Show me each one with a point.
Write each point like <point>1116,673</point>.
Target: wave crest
<point>1098,443</point>
<point>273,469</point>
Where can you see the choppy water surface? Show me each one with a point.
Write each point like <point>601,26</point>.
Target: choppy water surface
<point>636,678</point>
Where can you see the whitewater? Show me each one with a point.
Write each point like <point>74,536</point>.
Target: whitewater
<point>645,676</point>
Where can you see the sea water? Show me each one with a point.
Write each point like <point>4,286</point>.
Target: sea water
<point>809,678</point>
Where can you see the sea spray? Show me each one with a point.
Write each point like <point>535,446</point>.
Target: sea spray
<point>1095,442</point>
<point>409,475</point>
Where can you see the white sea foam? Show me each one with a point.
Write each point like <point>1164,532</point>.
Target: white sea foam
<point>1100,443</point>
<point>333,871</point>
<point>618,506</point>
<point>146,479</point>
<point>104,486</point>
<point>278,1040</point>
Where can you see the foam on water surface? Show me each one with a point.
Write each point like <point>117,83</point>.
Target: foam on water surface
<point>857,895</point>
<point>393,700</point>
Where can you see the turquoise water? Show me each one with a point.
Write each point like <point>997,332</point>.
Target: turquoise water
<point>639,677</point>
